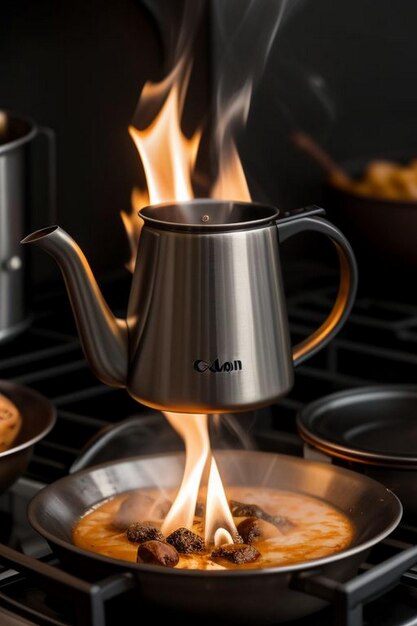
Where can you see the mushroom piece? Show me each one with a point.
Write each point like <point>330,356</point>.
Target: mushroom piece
<point>157,553</point>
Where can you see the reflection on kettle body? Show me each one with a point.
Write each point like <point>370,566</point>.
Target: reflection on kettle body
<point>207,328</point>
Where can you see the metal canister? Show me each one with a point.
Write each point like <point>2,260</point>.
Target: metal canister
<point>16,135</point>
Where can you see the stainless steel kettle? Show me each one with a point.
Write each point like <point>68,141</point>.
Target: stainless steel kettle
<point>207,328</point>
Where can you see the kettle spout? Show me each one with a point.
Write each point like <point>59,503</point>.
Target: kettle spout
<point>103,336</point>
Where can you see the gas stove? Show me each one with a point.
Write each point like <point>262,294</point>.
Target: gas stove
<point>96,423</point>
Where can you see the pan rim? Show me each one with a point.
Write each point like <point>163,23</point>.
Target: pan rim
<point>231,574</point>
<point>337,399</point>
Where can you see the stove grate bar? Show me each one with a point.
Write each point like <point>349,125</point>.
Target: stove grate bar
<point>29,613</point>
<point>67,368</point>
<point>333,377</point>
<point>53,334</point>
<point>96,390</point>
<point>33,357</point>
<point>77,418</point>
<point>348,599</point>
<point>59,447</point>
<point>89,599</point>
<point>410,578</point>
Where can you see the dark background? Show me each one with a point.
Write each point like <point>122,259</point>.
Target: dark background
<point>365,53</point>
<point>78,67</point>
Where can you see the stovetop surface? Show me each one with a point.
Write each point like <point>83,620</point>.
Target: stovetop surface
<point>378,345</point>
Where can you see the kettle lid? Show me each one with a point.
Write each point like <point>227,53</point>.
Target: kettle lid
<point>209,215</point>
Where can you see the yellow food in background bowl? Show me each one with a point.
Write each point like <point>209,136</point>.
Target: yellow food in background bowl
<point>384,180</point>
<point>10,423</point>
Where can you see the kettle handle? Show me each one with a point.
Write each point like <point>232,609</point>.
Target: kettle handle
<point>310,219</point>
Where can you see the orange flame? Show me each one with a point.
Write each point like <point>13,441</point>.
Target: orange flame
<point>168,158</point>
<point>133,223</point>
<point>219,526</point>
<point>194,432</point>
<point>164,143</point>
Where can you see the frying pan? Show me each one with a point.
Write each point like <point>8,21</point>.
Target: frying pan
<point>247,597</point>
<point>38,418</point>
<point>372,430</point>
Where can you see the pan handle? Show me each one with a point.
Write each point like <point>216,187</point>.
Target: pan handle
<point>93,451</point>
<point>144,433</point>
<point>349,598</point>
<point>138,434</point>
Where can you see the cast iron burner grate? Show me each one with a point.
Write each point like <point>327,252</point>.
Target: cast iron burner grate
<point>377,345</point>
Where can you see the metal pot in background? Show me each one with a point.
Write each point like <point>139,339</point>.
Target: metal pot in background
<point>16,136</point>
<point>371,430</point>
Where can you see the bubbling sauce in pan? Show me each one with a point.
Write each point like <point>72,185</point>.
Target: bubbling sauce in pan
<point>318,530</point>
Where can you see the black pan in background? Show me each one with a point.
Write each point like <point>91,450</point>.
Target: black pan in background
<point>372,430</point>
